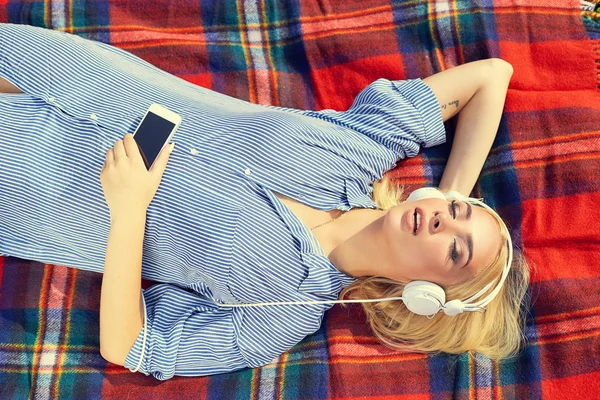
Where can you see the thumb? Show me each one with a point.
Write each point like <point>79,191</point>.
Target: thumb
<point>161,162</point>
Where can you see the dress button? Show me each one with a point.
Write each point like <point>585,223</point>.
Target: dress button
<point>93,116</point>
<point>193,151</point>
<point>51,99</point>
<point>248,172</point>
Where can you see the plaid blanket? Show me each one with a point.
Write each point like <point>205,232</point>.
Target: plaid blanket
<point>541,175</point>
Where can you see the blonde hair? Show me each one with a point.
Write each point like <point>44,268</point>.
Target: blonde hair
<point>497,333</point>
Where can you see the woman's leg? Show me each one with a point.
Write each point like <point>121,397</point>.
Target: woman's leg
<point>7,87</point>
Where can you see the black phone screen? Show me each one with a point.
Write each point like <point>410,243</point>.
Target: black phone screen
<point>151,135</point>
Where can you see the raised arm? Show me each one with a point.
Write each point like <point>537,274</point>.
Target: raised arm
<point>476,92</point>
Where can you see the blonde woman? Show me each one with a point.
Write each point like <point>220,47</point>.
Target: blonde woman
<point>262,217</point>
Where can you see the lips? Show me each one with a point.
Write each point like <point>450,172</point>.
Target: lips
<point>422,221</point>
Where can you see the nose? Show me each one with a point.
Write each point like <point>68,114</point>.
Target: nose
<point>443,222</point>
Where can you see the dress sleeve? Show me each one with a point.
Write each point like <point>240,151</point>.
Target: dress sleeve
<point>268,332</point>
<point>401,115</point>
<point>187,335</point>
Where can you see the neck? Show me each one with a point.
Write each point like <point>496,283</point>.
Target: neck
<point>353,242</point>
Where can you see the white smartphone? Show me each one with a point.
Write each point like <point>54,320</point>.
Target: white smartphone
<point>155,131</point>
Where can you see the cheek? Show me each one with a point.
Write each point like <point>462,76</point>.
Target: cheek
<point>434,255</point>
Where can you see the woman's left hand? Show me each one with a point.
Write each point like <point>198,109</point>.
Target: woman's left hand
<point>128,186</point>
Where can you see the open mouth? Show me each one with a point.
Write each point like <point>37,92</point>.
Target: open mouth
<point>417,221</point>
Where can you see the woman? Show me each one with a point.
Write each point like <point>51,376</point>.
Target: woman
<point>259,204</point>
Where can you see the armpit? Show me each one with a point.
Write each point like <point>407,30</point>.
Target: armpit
<point>7,87</point>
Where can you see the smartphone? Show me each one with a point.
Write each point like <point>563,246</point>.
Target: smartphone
<point>155,131</point>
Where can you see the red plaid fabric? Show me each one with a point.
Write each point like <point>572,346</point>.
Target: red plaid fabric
<point>541,175</point>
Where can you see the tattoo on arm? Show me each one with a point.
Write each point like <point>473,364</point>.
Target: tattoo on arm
<point>455,102</point>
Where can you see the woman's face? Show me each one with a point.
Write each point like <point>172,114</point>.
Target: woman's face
<point>454,240</point>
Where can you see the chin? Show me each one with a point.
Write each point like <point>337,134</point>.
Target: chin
<point>392,222</point>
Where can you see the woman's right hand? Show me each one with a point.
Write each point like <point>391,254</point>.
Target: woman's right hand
<point>128,186</point>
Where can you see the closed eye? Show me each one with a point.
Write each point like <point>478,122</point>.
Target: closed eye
<point>469,237</point>
<point>452,252</point>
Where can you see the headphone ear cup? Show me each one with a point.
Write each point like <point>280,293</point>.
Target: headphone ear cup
<point>423,297</point>
<point>426,193</point>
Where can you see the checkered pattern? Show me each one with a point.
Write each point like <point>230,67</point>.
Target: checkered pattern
<point>541,175</point>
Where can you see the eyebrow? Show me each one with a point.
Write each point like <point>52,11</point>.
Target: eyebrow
<point>469,237</point>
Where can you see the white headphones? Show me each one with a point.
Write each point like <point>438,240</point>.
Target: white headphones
<point>420,297</point>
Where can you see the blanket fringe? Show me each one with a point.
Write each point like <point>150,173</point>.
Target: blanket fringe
<point>590,10</point>
<point>589,5</point>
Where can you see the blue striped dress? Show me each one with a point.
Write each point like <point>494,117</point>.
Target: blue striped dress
<point>215,232</point>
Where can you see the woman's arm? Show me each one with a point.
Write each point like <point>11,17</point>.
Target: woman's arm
<point>476,92</point>
<point>7,87</point>
<point>121,304</point>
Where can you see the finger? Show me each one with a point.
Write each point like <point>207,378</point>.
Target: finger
<point>161,162</point>
<point>109,158</point>
<point>131,147</point>
<point>119,151</point>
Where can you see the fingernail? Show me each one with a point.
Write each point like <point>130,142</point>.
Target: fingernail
<point>172,147</point>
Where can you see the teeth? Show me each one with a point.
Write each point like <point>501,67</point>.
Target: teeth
<point>415,222</point>
<point>417,219</point>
